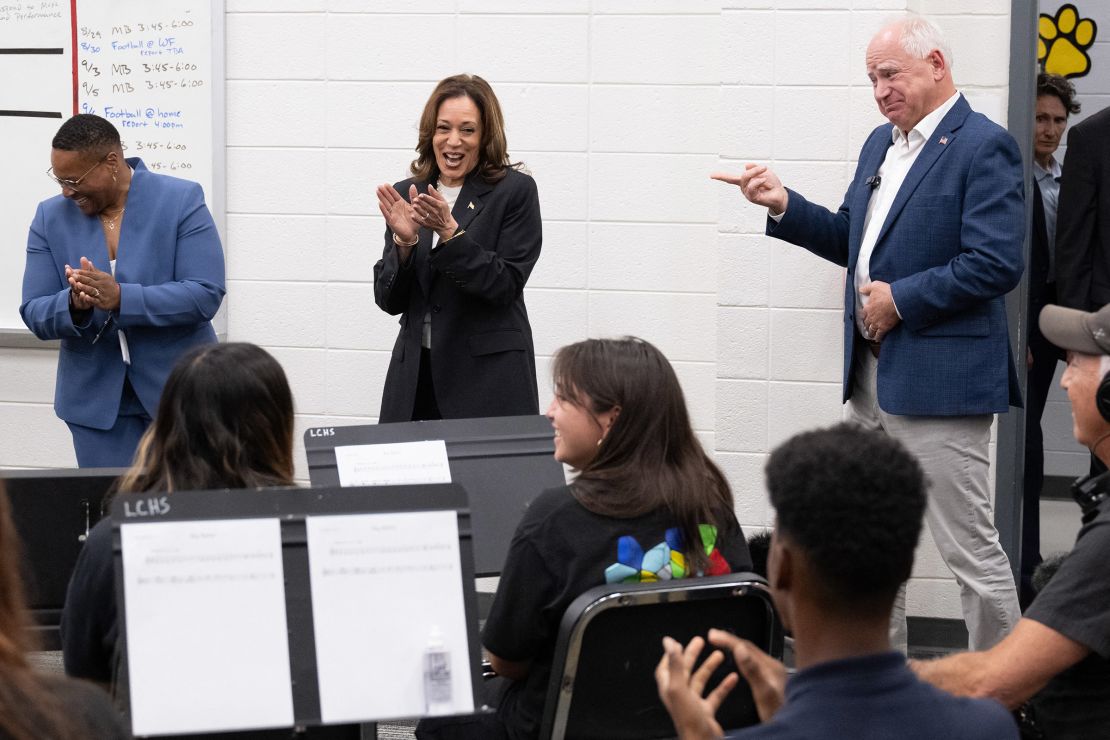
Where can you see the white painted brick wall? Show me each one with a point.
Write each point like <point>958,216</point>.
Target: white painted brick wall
<point>810,49</point>
<point>744,350</point>
<point>635,118</point>
<point>33,436</point>
<point>567,264</point>
<point>742,415</point>
<point>353,246</point>
<point>620,109</point>
<point>655,50</point>
<point>276,46</point>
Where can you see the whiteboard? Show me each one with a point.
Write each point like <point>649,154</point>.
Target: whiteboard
<point>154,69</point>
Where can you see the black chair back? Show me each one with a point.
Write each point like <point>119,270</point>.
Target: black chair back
<point>610,640</point>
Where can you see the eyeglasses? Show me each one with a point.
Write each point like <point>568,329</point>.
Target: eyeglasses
<point>72,184</point>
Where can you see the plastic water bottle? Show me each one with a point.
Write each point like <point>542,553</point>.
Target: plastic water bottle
<point>437,675</point>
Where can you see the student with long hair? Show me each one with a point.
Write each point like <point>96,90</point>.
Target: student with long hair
<point>32,705</point>
<point>225,420</point>
<point>648,504</point>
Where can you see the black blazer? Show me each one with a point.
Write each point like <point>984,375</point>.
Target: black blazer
<point>1041,292</point>
<point>482,359</point>
<point>1038,257</point>
<point>1083,218</point>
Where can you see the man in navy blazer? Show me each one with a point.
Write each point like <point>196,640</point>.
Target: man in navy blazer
<point>124,267</point>
<point>930,232</point>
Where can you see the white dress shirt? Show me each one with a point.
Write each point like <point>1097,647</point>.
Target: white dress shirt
<point>450,195</point>
<point>123,348</point>
<point>899,159</point>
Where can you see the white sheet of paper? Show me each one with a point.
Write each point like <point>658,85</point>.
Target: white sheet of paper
<point>393,464</point>
<point>206,631</point>
<point>381,584</point>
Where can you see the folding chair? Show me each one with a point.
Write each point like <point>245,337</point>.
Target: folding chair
<point>610,640</point>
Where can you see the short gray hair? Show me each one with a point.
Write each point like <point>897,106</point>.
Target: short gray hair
<point>920,36</point>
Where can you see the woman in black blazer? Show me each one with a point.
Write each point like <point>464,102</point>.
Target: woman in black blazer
<point>462,235</point>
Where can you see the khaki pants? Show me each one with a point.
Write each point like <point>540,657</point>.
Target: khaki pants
<point>953,451</point>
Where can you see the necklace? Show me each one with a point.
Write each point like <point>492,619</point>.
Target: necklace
<point>111,222</point>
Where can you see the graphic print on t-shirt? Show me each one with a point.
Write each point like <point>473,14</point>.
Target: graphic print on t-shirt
<point>665,561</point>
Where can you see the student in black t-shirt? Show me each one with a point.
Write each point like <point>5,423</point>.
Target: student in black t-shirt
<point>647,504</point>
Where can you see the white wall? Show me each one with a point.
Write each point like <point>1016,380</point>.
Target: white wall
<point>620,108</point>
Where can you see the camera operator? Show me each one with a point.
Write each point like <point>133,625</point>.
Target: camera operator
<point>1061,647</point>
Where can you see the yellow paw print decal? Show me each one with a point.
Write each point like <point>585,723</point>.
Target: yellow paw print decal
<point>1063,42</point>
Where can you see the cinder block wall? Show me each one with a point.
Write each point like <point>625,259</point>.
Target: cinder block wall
<point>620,109</point>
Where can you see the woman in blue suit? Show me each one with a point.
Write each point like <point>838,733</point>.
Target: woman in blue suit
<point>462,236</point>
<point>124,267</point>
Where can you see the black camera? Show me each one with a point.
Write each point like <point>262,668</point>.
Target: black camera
<point>1089,492</point>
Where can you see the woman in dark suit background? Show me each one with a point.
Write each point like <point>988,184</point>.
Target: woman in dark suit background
<point>462,236</point>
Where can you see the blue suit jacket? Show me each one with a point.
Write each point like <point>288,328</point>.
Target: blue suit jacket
<point>951,248</point>
<point>170,268</point>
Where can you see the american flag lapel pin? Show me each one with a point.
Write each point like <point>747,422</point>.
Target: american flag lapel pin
<point>944,140</point>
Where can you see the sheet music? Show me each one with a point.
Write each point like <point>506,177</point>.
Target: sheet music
<point>206,630</point>
<point>393,464</point>
<point>382,586</point>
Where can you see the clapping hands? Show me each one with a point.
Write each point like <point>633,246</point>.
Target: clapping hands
<point>92,288</point>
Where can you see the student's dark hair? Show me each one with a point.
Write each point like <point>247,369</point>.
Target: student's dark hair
<point>1060,87</point>
<point>225,420</point>
<point>493,152</point>
<point>87,133</point>
<point>650,458</point>
<point>28,710</point>
<point>853,500</point>
<point>759,546</point>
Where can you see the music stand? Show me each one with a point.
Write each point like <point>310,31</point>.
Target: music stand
<point>53,511</point>
<point>503,463</point>
<point>293,508</point>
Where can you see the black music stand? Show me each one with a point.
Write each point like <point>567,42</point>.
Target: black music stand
<point>292,507</point>
<point>53,511</point>
<point>502,462</point>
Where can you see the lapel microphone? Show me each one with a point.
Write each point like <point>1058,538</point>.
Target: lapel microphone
<point>873,181</point>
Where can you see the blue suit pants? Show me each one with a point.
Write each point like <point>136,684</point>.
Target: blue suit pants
<point>115,447</point>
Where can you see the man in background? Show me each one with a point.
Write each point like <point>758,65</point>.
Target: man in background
<point>1061,647</point>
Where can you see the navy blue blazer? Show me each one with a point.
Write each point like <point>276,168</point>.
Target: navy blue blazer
<point>482,361</point>
<point>951,248</point>
<point>170,269</point>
